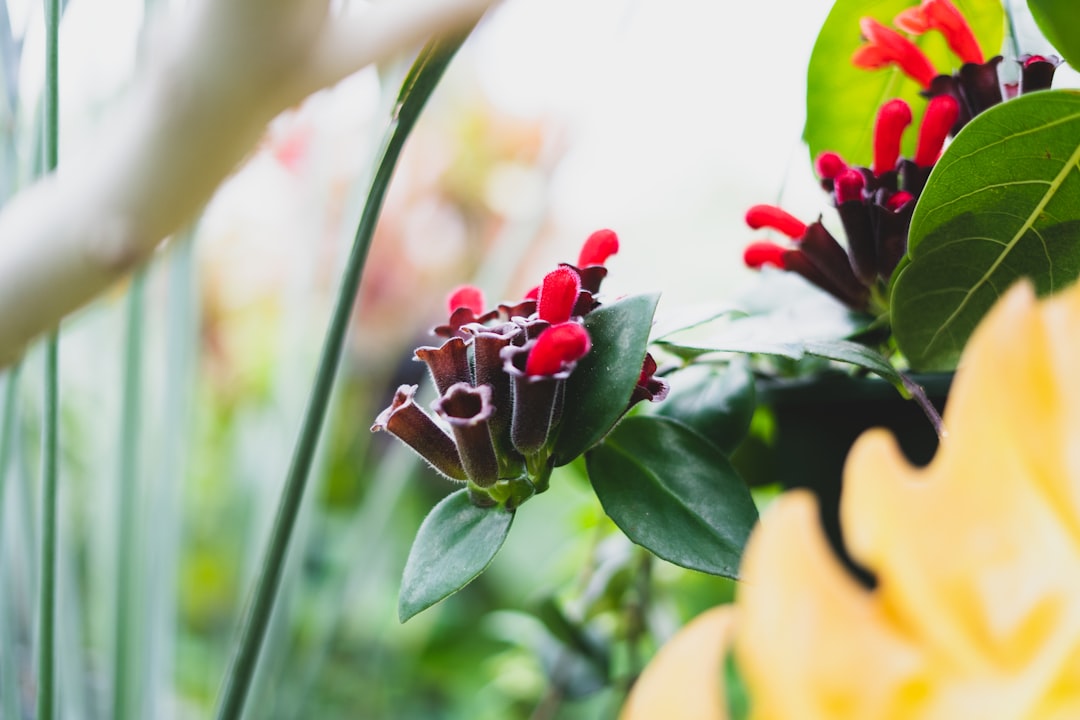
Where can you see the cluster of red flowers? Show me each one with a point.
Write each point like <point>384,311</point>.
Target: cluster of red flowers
<point>500,375</point>
<point>875,204</point>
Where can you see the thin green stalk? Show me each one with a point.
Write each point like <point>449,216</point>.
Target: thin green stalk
<point>126,684</point>
<point>46,690</point>
<point>163,564</point>
<point>10,657</point>
<point>419,84</point>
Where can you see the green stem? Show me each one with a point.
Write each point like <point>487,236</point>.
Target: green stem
<point>46,690</point>
<point>126,684</point>
<point>419,85</point>
<point>9,658</point>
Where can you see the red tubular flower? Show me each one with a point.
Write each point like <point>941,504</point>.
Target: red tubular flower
<point>770,216</point>
<point>849,186</point>
<point>897,201</point>
<point>465,305</point>
<point>558,295</point>
<point>598,247</point>
<point>557,349</point>
<point>466,296</point>
<point>940,116</point>
<point>892,119</point>
<point>758,254</point>
<point>887,47</point>
<point>942,15</point>
<point>829,165</point>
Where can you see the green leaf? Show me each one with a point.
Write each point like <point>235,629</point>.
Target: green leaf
<point>845,351</point>
<point>600,387</point>
<point>673,492</point>
<point>1059,21</point>
<point>1002,203</point>
<point>454,544</point>
<point>842,100</point>
<point>717,402</point>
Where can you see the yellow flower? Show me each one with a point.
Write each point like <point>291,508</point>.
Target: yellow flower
<point>976,613</point>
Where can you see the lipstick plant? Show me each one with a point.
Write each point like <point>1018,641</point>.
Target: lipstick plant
<point>527,386</point>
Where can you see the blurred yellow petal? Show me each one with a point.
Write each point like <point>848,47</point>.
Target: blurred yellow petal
<point>976,613</point>
<point>684,679</point>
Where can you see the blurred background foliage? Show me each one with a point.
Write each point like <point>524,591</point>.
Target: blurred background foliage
<point>662,120</point>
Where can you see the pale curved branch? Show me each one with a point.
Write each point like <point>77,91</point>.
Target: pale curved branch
<point>217,75</point>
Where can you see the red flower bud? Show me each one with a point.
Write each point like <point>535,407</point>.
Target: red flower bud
<point>770,216</point>
<point>829,165</point>
<point>849,186</point>
<point>556,348</point>
<point>466,296</point>
<point>558,294</point>
<point>940,116</point>
<point>892,119</point>
<point>897,201</point>
<point>759,254</point>
<point>599,246</point>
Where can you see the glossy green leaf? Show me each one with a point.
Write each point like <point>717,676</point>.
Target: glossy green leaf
<point>1059,21</point>
<point>842,100</point>
<point>599,390</point>
<point>454,544</point>
<point>673,492</point>
<point>844,351</point>
<point>1002,203</point>
<point>718,402</point>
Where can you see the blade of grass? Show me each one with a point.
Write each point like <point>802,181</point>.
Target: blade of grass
<point>128,679</point>
<point>46,694</point>
<point>9,653</point>
<point>418,87</point>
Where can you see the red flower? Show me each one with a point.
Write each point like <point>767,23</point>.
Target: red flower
<point>759,254</point>
<point>942,15</point>
<point>940,116</point>
<point>770,216</point>
<point>829,165</point>
<point>557,349</point>
<point>849,186</point>
<point>558,294</point>
<point>598,247</point>
<point>887,47</point>
<point>892,119</point>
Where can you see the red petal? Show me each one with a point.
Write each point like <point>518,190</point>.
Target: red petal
<point>898,200</point>
<point>557,347</point>
<point>770,216</point>
<point>885,46</point>
<point>940,117</point>
<point>829,165</point>
<point>466,296</point>
<point>759,254</point>
<point>599,246</point>
<point>942,15</point>
<point>849,186</point>
<point>558,294</point>
<point>892,119</point>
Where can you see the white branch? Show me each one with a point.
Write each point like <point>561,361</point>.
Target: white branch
<point>219,73</point>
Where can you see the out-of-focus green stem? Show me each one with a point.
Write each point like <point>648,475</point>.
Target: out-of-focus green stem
<point>9,658</point>
<point>46,688</point>
<point>419,84</point>
<point>126,686</point>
